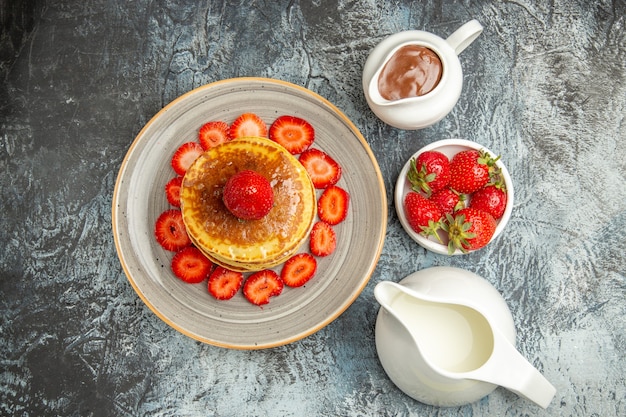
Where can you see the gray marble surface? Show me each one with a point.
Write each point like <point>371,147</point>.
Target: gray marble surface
<point>545,85</point>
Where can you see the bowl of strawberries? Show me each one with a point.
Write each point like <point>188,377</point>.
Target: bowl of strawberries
<point>454,196</point>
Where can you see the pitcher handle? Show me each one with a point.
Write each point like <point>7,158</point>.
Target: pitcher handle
<point>464,36</point>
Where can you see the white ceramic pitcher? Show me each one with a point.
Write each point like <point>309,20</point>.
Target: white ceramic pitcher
<point>419,112</point>
<point>446,337</point>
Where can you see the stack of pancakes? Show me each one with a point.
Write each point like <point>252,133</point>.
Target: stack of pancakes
<point>248,245</point>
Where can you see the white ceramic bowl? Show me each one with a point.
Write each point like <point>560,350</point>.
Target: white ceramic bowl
<point>448,147</point>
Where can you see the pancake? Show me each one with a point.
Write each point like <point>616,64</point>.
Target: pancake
<point>248,245</point>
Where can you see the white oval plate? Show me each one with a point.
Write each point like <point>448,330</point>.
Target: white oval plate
<point>139,198</point>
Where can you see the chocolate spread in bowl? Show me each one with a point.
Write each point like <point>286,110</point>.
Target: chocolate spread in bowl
<point>412,71</point>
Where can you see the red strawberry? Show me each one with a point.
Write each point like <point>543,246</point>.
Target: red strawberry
<point>170,231</point>
<point>293,133</point>
<point>332,206</point>
<point>323,239</point>
<point>172,191</point>
<point>190,265</point>
<point>248,124</point>
<point>262,285</point>
<point>469,229</point>
<point>491,198</point>
<point>448,200</point>
<point>323,170</point>
<point>422,214</point>
<point>430,172</point>
<point>224,283</point>
<point>213,133</point>
<point>470,170</point>
<point>298,270</point>
<point>248,195</point>
<point>185,155</point>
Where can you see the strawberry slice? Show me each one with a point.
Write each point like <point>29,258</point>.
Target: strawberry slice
<point>332,206</point>
<point>293,133</point>
<point>224,283</point>
<point>248,124</point>
<point>298,269</point>
<point>172,191</point>
<point>323,170</point>
<point>190,265</point>
<point>262,285</point>
<point>185,155</point>
<point>323,239</point>
<point>170,231</point>
<point>213,133</point>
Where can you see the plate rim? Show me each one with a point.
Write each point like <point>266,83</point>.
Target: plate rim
<point>299,335</point>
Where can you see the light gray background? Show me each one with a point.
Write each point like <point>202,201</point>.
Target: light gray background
<point>545,86</point>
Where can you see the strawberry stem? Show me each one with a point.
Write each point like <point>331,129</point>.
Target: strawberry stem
<point>495,173</point>
<point>432,230</point>
<point>458,235</point>
<point>419,179</point>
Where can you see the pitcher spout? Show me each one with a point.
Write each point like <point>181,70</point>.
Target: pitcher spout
<point>511,370</point>
<point>385,292</point>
